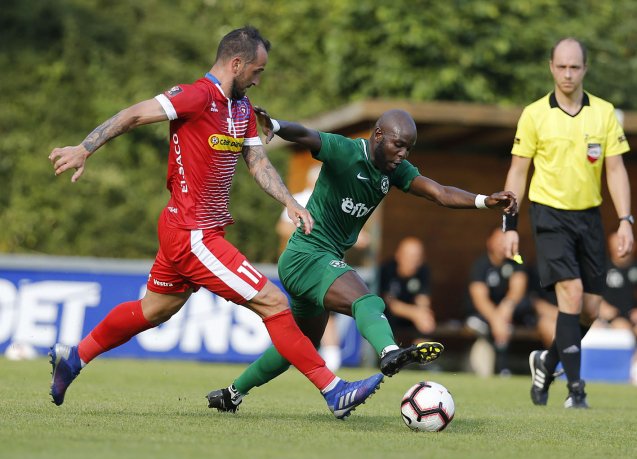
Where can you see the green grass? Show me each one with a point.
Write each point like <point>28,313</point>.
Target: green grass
<point>156,409</point>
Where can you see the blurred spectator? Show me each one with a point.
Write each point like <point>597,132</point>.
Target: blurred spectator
<point>330,348</point>
<point>497,301</point>
<point>544,303</point>
<point>405,288</point>
<point>619,303</point>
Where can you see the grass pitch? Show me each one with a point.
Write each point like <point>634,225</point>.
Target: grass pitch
<point>156,409</point>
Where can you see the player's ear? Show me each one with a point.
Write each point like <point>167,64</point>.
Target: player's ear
<point>378,134</point>
<point>236,64</point>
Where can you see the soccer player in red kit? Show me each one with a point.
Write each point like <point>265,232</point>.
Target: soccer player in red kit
<point>211,123</point>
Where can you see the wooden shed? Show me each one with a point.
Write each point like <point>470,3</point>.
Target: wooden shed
<point>460,144</point>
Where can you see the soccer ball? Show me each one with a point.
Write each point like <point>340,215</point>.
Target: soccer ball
<point>427,406</point>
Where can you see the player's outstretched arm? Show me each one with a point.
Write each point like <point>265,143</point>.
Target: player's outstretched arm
<point>74,157</point>
<point>287,130</point>
<point>449,196</point>
<point>270,181</point>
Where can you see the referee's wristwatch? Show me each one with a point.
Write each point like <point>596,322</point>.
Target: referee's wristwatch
<point>629,218</point>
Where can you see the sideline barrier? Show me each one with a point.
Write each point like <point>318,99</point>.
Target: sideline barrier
<point>44,300</point>
<point>607,355</point>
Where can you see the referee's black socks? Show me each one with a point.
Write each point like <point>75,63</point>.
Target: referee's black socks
<point>568,337</point>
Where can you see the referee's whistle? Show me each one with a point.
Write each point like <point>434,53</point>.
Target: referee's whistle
<point>518,258</point>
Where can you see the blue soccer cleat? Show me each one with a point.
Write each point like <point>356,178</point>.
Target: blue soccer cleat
<point>346,396</point>
<point>66,366</point>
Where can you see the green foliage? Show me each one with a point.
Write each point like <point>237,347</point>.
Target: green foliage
<point>157,409</point>
<point>68,65</point>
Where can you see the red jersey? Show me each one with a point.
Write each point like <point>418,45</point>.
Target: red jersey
<point>207,133</point>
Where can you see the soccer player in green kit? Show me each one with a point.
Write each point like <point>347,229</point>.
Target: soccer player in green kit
<point>355,177</point>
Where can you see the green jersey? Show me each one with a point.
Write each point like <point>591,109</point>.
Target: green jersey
<point>347,191</point>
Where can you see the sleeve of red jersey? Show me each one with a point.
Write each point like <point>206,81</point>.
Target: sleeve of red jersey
<point>252,134</point>
<point>183,101</point>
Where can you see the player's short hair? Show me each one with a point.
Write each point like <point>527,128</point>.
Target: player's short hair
<point>243,42</point>
<point>581,45</point>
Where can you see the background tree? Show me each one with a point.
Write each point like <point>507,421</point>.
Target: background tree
<point>67,65</point>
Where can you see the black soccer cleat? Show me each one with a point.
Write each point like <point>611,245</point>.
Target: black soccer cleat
<point>540,377</point>
<point>422,353</point>
<point>222,400</point>
<point>576,396</point>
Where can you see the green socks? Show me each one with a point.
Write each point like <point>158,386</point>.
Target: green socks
<point>372,323</point>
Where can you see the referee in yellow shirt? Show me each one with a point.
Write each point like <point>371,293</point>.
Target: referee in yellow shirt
<point>568,135</point>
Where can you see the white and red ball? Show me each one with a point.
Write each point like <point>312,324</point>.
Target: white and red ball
<point>427,406</point>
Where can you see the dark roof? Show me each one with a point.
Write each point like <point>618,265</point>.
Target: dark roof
<point>448,125</point>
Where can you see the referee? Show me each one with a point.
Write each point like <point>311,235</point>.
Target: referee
<point>568,134</point>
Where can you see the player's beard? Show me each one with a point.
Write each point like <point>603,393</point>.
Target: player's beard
<point>235,92</point>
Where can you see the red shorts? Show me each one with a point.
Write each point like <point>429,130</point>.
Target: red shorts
<point>202,258</point>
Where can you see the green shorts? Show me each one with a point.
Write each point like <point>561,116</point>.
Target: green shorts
<point>307,277</point>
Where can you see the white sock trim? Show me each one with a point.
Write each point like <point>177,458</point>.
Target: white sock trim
<point>331,385</point>
<point>391,347</point>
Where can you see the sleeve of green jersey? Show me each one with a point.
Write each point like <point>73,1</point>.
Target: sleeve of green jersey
<point>404,175</point>
<point>335,150</point>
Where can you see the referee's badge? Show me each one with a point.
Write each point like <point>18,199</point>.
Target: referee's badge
<point>594,152</point>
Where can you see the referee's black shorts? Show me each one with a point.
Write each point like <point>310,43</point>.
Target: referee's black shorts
<point>570,244</point>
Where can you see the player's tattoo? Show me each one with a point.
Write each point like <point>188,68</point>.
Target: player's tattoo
<point>110,128</point>
<point>265,174</point>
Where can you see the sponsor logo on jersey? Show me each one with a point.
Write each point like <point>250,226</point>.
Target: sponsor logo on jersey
<point>172,92</point>
<point>221,142</point>
<point>621,138</point>
<point>213,107</point>
<point>355,210</point>
<point>173,210</point>
<point>162,284</point>
<point>338,264</point>
<point>180,165</point>
<point>516,141</point>
<point>361,177</point>
<point>384,184</point>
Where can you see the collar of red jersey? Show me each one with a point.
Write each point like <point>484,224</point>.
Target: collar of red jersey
<point>213,78</point>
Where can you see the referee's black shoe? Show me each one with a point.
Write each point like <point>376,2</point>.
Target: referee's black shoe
<point>576,396</point>
<point>540,377</point>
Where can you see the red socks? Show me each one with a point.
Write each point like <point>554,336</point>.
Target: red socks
<point>297,348</point>
<point>120,325</point>
<point>127,320</point>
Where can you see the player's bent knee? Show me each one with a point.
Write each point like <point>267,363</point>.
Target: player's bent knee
<point>158,308</point>
<point>269,301</point>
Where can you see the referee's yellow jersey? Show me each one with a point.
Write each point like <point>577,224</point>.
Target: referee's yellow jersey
<point>568,151</point>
